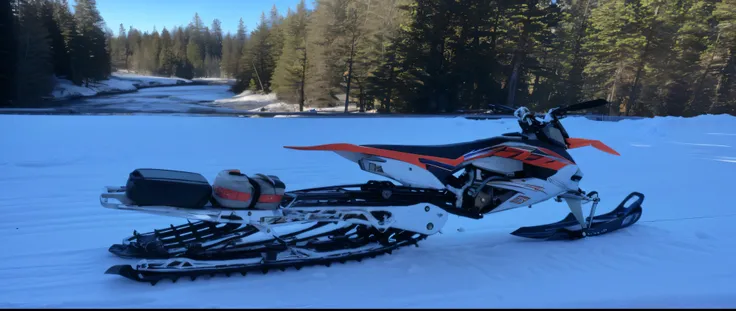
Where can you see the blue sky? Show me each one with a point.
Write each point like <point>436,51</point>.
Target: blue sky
<point>145,14</point>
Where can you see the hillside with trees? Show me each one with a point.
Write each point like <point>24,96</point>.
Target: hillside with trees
<point>648,57</point>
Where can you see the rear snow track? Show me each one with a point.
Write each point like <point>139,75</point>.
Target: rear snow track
<point>55,235</point>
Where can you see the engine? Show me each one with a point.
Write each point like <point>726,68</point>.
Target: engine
<point>478,193</point>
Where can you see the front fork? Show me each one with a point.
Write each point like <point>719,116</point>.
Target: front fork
<point>575,202</point>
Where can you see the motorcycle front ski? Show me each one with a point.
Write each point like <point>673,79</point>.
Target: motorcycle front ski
<point>569,228</point>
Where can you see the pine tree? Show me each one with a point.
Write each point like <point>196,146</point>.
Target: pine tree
<point>34,71</point>
<point>275,33</point>
<point>58,46</point>
<point>320,83</point>
<point>122,51</point>
<point>649,57</point>
<point>425,78</point>
<point>340,41</point>
<point>528,25</point>
<point>166,59</point>
<point>135,41</point>
<point>725,91</point>
<point>615,38</point>
<point>180,43</point>
<point>196,45</point>
<point>258,58</point>
<point>227,57</point>
<point>96,64</point>
<point>252,85</point>
<point>72,40</point>
<point>241,37</point>
<point>570,38</point>
<point>679,38</point>
<point>244,73</point>
<point>8,55</point>
<point>289,78</point>
<point>216,42</point>
<point>194,55</point>
<point>154,49</point>
<point>382,82</point>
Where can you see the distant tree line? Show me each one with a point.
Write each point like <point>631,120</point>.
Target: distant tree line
<point>647,57</point>
<point>186,52</point>
<point>42,39</point>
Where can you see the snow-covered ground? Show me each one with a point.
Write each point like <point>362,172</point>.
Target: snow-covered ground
<point>119,82</point>
<point>250,101</point>
<point>144,80</point>
<point>180,99</point>
<point>681,253</point>
<point>221,80</point>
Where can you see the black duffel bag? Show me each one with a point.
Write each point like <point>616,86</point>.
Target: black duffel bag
<point>157,187</point>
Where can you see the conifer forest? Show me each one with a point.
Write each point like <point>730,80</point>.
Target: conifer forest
<point>647,57</point>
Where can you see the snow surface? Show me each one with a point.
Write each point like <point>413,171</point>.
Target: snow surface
<point>248,100</point>
<point>66,89</point>
<point>215,79</point>
<point>145,80</point>
<point>117,83</point>
<point>681,253</point>
<point>254,102</point>
<point>179,99</point>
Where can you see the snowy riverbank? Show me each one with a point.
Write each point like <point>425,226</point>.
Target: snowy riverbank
<point>255,102</point>
<point>118,83</point>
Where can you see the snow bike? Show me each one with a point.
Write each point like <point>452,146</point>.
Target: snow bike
<point>250,223</point>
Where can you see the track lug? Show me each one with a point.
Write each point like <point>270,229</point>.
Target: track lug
<point>162,250</point>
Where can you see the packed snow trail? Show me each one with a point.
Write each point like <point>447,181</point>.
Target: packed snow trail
<point>680,254</point>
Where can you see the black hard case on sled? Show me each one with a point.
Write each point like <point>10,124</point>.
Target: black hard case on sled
<point>147,187</point>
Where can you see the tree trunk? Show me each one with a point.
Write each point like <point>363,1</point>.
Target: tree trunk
<point>512,86</point>
<point>391,78</point>
<point>478,75</point>
<point>612,93</point>
<point>350,73</point>
<point>705,73</point>
<point>494,34</point>
<point>639,68</point>
<point>361,98</point>
<point>303,76</point>
<point>725,82</point>
<point>573,89</point>
<point>519,56</point>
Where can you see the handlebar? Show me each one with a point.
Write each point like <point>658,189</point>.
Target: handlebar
<point>526,116</point>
